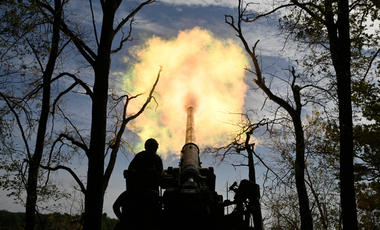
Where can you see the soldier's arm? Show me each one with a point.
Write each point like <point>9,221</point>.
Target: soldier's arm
<point>117,206</point>
<point>134,164</point>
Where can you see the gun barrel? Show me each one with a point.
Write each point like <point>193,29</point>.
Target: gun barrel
<point>190,152</point>
<point>190,130</point>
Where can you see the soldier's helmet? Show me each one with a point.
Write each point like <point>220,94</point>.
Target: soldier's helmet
<point>151,145</point>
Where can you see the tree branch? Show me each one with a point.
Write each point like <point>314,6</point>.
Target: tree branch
<point>77,81</point>
<point>123,40</point>
<point>93,23</point>
<point>75,142</point>
<point>72,173</point>
<point>132,14</point>
<point>116,144</point>
<point>87,53</point>
<point>24,139</point>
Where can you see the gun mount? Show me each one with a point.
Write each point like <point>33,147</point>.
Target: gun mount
<point>190,189</point>
<point>189,200</point>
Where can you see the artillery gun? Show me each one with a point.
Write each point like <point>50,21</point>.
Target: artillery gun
<point>189,199</point>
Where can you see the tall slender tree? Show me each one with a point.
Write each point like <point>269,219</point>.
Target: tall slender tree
<point>97,53</point>
<point>35,160</point>
<point>333,30</point>
<point>100,60</point>
<point>294,111</point>
<point>17,31</point>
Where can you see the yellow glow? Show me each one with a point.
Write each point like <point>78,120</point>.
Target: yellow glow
<point>198,70</point>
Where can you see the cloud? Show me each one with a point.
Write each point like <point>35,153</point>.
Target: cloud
<point>203,3</point>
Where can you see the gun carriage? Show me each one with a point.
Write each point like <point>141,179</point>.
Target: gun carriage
<point>189,200</point>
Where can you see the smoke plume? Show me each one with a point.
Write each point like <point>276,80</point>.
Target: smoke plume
<point>199,70</point>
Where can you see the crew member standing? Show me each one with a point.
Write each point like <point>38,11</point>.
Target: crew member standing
<point>146,168</point>
<point>145,172</point>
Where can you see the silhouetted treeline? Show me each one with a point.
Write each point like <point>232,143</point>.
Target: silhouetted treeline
<point>54,221</point>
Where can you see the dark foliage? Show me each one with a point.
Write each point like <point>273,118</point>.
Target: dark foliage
<point>56,221</point>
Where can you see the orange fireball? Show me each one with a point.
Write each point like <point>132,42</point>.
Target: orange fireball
<point>199,70</point>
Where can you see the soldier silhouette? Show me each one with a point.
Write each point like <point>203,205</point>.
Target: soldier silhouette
<point>146,168</point>
<point>139,207</point>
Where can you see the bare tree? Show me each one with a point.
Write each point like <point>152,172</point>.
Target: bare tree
<point>321,170</point>
<point>293,110</point>
<point>97,53</point>
<point>335,32</point>
<point>13,100</point>
<point>35,160</point>
<point>99,60</point>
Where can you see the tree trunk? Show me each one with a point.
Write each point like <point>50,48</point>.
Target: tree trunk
<point>347,190</point>
<point>299,168</point>
<point>299,165</point>
<point>95,186</point>
<point>340,49</point>
<point>35,160</point>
